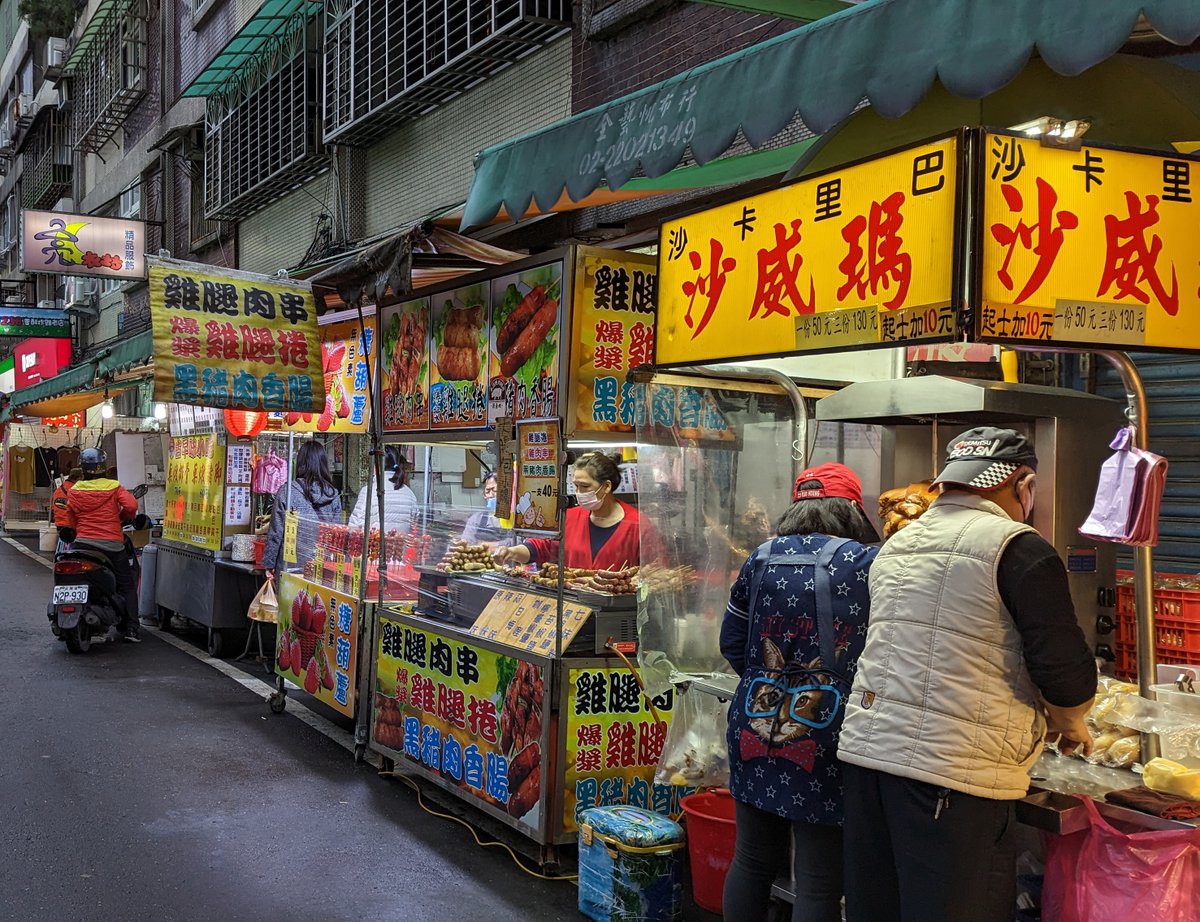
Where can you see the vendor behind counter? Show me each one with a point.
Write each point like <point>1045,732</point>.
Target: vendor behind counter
<point>601,533</point>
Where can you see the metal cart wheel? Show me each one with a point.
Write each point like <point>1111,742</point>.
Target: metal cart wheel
<point>278,698</point>
<point>360,753</point>
<point>216,645</point>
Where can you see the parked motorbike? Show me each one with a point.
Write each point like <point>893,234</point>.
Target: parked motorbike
<point>85,606</point>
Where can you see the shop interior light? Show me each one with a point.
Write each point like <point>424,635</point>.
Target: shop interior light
<point>160,411</point>
<point>1056,132</point>
<point>107,410</point>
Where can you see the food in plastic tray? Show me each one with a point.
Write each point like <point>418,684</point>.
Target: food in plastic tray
<point>462,557</point>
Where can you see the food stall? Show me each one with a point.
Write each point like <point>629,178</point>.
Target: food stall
<point>985,237</point>
<point>506,686</point>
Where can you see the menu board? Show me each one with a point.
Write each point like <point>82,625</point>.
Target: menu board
<point>469,715</point>
<point>458,371</point>
<point>195,488</point>
<point>238,466</point>
<point>614,745</point>
<point>404,365</point>
<point>237,505</point>
<point>346,349</point>
<point>612,332</point>
<point>525,336</point>
<point>538,470</point>
<point>526,620</point>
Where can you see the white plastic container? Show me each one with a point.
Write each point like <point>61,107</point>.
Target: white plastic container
<point>48,538</point>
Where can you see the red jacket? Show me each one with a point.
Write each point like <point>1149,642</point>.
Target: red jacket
<point>58,502</point>
<point>96,509</point>
<point>622,548</point>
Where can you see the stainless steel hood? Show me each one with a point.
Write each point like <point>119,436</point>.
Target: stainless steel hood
<point>906,401</point>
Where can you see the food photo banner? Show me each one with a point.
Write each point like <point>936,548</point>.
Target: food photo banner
<point>346,348</point>
<point>232,339</point>
<point>863,256</point>
<point>1089,247</point>
<point>612,325</point>
<point>71,244</point>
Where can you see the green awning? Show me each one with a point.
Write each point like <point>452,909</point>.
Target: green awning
<point>127,354</point>
<point>888,52</point>
<point>70,381</point>
<point>803,10</point>
<point>269,22</point>
<point>82,50</point>
<point>727,171</point>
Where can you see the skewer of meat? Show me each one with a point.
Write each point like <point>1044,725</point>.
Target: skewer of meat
<point>516,321</point>
<point>529,339</point>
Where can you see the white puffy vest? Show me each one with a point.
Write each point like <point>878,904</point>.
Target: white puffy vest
<point>942,694</point>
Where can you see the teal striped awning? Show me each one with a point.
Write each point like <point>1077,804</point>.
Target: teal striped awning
<point>85,45</point>
<point>127,354</point>
<point>72,380</point>
<point>888,52</point>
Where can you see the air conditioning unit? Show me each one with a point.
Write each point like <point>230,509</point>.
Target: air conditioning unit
<point>47,305</point>
<point>56,53</point>
<point>6,141</point>
<point>63,98</point>
<point>22,107</point>
<point>79,294</point>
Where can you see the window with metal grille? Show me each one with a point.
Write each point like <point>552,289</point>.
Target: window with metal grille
<point>388,61</point>
<point>262,132</point>
<point>109,83</point>
<point>10,226</point>
<point>46,161</point>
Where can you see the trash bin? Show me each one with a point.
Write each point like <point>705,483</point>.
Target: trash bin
<point>147,606</point>
<point>629,864</point>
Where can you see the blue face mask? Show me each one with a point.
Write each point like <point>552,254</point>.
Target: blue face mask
<point>491,504</point>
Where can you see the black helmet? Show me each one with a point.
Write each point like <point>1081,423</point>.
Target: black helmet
<point>91,460</point>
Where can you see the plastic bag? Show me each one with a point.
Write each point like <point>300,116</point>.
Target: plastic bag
<point>1102,873</point>
<point>265,605</point>
<point>695,754</point>
<point>1128,495</point>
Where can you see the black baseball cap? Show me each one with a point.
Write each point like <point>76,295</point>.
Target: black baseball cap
<point>985,458</point>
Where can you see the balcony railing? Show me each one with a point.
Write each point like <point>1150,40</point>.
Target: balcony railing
<point>111,80</point>
<point>46,161</point>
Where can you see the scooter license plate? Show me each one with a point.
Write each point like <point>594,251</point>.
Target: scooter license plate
<point>65,595</point>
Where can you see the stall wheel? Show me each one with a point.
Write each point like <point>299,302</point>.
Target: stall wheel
<point>216,645</point>
<point>360,753</point>
<point>278,702</point>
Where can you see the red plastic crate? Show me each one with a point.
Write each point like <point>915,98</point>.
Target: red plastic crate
<point>1125,666</point>
<point>1182,604</point>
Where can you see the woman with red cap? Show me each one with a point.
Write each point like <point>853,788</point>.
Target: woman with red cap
<point>794,629</point>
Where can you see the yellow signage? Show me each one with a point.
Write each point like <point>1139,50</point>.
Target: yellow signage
<point>231,339</point>
<point>346,348</point>
<point>537,500</point>
<point>612,324</point>
<point>291,525</point>
<point>859,257</point>
<point>195,491</point>
<point>1093,246</point>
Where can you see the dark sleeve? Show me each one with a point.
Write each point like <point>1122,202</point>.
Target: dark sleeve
<point>275,531</point>
<point>542,550</point>
<point>735,628</point>
<point>1033,585</point>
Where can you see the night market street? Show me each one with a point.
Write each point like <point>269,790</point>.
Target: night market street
<point>143,784</point>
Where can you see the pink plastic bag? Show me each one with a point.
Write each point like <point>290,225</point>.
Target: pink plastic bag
<point>1128,495</point>
<point>1101,874</point>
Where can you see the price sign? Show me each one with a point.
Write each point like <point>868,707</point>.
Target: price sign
<point>538,469</point>
<point>291,523</point>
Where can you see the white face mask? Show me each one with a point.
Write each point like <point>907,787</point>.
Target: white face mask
<point>589,500</point>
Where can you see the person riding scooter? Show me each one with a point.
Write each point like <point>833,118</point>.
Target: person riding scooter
<point>97,506</point>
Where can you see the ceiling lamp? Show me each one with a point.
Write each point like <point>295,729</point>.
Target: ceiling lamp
<point>245,424</point>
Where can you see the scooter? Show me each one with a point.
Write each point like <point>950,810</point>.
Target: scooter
<point>84,607</point>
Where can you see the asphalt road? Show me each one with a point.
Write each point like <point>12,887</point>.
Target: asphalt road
<point>141,784</point>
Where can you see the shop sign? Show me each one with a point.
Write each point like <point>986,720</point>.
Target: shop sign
<point>538,474</point>
<point>527,621</point>
<point>317,641</point>
<point>345,350</point>
<point>8,376</point>
<point>195,491</point>
<point>233,339</point>
<point>612,333</point>
<point>525,337</point>
<point>20,320</point>
<point>468,715</point>
<point>458,354</point>
<point>614,745</point>
<point>506,462</point>
<point>1089,247</point>
<point>238,474</point>
<point>688,413</point>
<point>70,421</point>
<point>858,257</point>
<point>40,359</point>
<point>70,244</point>
<point>404,365</point>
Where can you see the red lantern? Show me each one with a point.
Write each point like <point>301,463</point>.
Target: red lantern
<point>245,423</point>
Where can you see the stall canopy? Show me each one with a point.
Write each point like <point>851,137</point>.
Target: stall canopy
<point>887,52</point>
<point>127,354</point>
<point>71,381</point>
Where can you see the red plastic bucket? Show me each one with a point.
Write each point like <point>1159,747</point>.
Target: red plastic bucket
<point>710,836</point>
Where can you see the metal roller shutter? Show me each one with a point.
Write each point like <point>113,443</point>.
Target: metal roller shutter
<point>1173,394</point>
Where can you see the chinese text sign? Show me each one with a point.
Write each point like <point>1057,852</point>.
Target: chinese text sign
<point>225,339</point>
<point>317,641</point>
<point>195,491</point>
<point>1093,246</point>
<point>459,358</point>
<point>466,714</point>
<point>537,475</point>
<point>404,365</point>
<point>859,257</point>
<point>613,313</point>
<point>73,244</point>
<point>346,348</point>
<point>524,340</point>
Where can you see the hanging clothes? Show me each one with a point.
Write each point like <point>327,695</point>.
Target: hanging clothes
<point>68,458</point>
<point>270,473</point>
<point>20,469</point>
<point>45,468</point>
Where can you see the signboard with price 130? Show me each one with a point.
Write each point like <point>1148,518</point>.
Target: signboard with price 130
<point>860,257</point>
<point>1089,246</point>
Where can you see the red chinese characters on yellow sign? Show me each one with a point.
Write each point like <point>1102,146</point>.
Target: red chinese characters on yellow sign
<point>774,274</point>
<point>1089,246</point>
